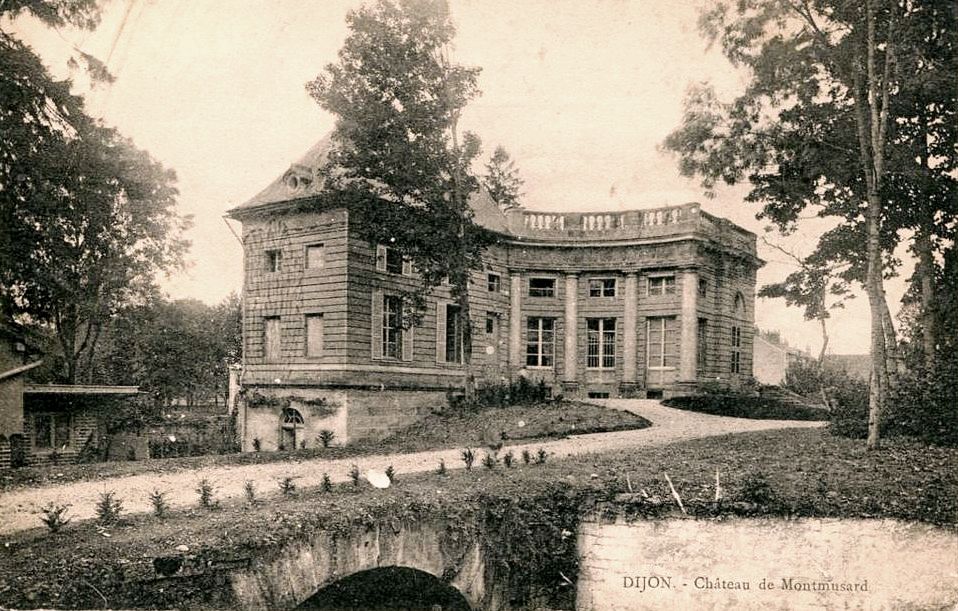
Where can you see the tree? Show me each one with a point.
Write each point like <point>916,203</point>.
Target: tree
<point>827,121</point>
<point>86,218</point>
<point>174,350</point>
<point>399,160</point>
<point>502,180</point>
<point>810,287</point>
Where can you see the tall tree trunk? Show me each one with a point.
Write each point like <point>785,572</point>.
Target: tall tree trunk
<point>924,247</point>
<point>929,318</point>
<point>821,354</point>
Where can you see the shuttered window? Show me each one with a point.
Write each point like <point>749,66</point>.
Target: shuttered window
<point>272,338</point>
<point>391,261</point>
<point>315,256</point>
<point>314,335</point>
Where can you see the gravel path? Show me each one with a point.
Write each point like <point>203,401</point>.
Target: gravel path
<point>19,509</point>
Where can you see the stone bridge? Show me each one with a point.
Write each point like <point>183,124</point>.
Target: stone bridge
<point>652,563</point>
<point>456,570</point>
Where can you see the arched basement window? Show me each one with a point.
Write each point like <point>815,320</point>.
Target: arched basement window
<point>292,418</point>
<point>291,422</point>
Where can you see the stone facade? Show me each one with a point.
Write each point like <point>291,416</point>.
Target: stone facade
<point>638,303</point>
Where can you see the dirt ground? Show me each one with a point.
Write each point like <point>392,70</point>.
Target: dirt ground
<point>19,509</point>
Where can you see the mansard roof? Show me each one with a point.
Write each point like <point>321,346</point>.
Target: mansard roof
<point>303,181</point>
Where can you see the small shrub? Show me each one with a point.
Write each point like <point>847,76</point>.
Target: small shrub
<point>326,437</point>
<point>287,486</point>
<point>354,476</point>
<point>130,454</point>
<point>54,517</point>
<point>54,457</point>
<point>757,489</point>
<point>441,469</point>
<point>489,461</point>
<point>327,485</point>
<point>526,457</point>
<point>302,445</point>
<point>257,444</point>
<point>391,473</point>
<point>541,456</point>
<point>508,459</point>
<point>468,457</point>
<point>160,506</point>
<point>205,492</point>
<point>108,508</point>
<point>249,489</point>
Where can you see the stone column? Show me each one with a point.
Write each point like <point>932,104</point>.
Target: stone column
<point>629,339</point>
<point>571,327</point>
<point>515,321</point>
<point>688,344</point>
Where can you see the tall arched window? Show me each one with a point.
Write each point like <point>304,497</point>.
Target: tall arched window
<point>738,318</point>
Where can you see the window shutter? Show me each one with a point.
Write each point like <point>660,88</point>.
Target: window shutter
<point>408,343</point>
<point>380,258</point>
<point>376,325</point>
<point>406,267</point>
<point>440,332</point>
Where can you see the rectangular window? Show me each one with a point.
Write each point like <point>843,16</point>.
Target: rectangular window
<point>392,327</point>
<point>315,256</point>
<point>660,342</point>
<point>314,335</point>
<point>51,431</point>
<point>453,335</point>
<point>601,343</point>
<point>274,260</point>
<point>661,285</point>
<point>596,394</point>
<point>542,287</point>
<point>602,287</point>
<point>393,261</point>
<point>390,260</point>
<point>492,322</point>
<point>703,287</point>
<point>540,342</point>
<point>737,350</point>
<point>272,338</point>
<point>494,283</point>
<point>701,347</point>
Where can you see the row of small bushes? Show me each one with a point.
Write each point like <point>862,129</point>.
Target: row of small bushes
<point>740,405</point>
<point>519,392</point>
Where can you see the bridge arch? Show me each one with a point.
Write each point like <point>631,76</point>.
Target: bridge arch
<point>293,575</point>
<point>388,588</point>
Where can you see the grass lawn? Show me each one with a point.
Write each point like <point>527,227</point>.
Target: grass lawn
<point>449,429</point>
<point>744,406</point>
<point>800,472</point>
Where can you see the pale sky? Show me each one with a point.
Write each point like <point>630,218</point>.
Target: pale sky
<point>580,93</point>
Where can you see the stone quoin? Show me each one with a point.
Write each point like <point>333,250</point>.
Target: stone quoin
<point>630,303</point>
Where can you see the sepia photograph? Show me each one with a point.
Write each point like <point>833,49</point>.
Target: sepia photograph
<point>479,304</point>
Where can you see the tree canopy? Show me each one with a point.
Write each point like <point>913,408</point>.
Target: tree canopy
<point>502,179</point>
<point>86,218</point>
<point>849,111</point>
<point>398,158</point>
